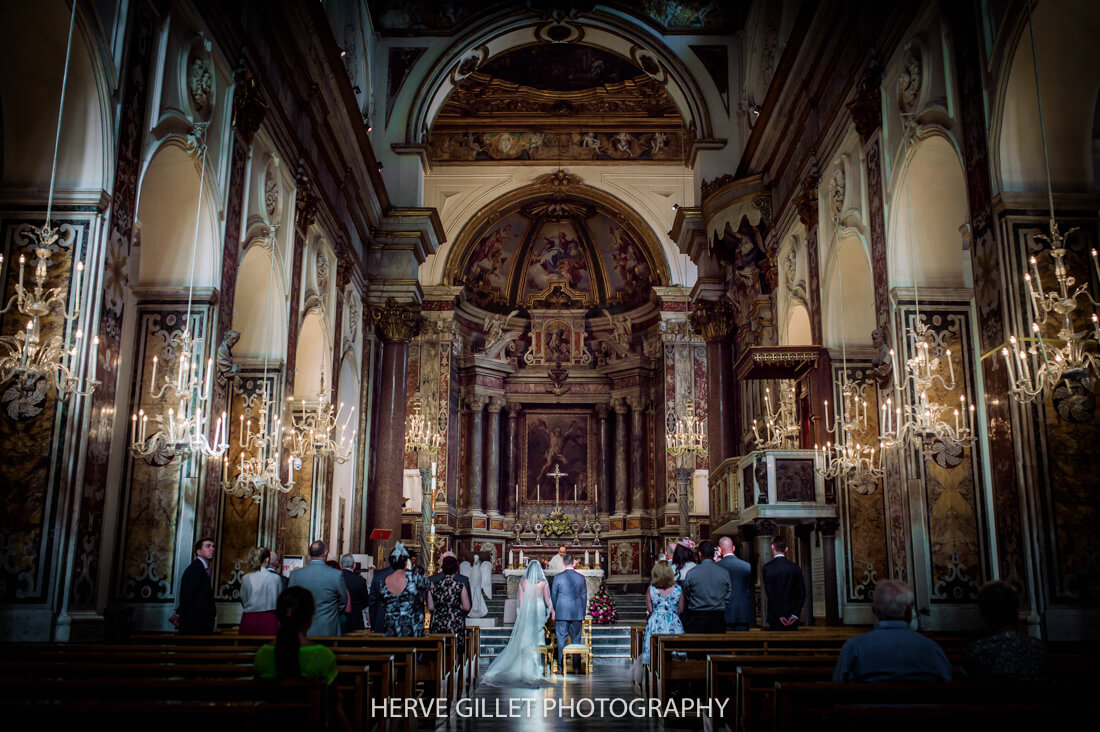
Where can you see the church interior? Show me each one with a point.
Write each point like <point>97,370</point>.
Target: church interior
<point>493,278</point>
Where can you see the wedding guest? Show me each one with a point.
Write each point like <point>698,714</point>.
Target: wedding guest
<point>449,601</point>
<point>739,608</point>
<point>664,601</point>
<point>683,560</point>
<point>259,593</point>
<point>401,595</point>
<point>785,588</point>
<point>706,592</point>
<point>1006,654</point>
<point>330,594</point>
<point>357,591</point>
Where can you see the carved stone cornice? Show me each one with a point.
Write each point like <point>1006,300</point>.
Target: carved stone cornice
<point>714,320</point>
<point>866,107</point>
<point>397,323</point>
<point>248,108</point>
<point>305,212</point>
<point>806,202</point>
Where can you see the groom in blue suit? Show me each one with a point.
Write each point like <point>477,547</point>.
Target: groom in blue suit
<point>570,598</point>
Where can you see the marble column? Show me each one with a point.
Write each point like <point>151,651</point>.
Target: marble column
<point>683,499</point>
<point>828,528</point>
<point>714,320</point>
<point>805,534</point>
<point>602,458</point>
<point>765,529</point>
<point>512,466</point>
<point>476,403</point>
<point>492,498</point>
<point>620,456</point>
<point>637,452</point>
<point>397,325</point>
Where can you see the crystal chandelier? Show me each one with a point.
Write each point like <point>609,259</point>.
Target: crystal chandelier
<point>182,430</point>
<point>918,418</point>
<point>30,357</point>
<point>688,436</point>
<point>1037,365</point>
<point>781,428</point>
<point>259,460</point>
<point>421,436</point>
<point>313,433</point>
<point>850,460</point>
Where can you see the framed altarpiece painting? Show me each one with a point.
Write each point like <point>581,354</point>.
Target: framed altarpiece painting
<point>562,441</point>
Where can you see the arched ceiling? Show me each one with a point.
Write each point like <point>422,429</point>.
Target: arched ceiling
<point>557,244</point>
<point>557,102</point>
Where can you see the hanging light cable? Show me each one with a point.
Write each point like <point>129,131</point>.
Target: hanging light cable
<point>35,363</point>
<point>1066,365</point>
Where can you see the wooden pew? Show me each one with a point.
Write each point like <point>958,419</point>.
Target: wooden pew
<point>748,682</point>
<point>942,707</point>
<point>225,704</point>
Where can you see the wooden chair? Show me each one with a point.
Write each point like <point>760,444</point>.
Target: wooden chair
<point>582,649</point>
<point>549,648</point>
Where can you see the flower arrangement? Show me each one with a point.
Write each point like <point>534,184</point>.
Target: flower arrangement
<point>558,524</point>
<point>602,608</point>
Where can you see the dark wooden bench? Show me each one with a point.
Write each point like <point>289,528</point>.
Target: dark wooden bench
<point>748,682</point>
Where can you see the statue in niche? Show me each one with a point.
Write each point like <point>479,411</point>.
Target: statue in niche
<point>882,365</point>
<point>226,368</point>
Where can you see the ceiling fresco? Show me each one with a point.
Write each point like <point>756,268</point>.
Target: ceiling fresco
<point>560,67</point>
<point>517,258</point>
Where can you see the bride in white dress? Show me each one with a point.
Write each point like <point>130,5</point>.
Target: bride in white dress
<point>520,664</point>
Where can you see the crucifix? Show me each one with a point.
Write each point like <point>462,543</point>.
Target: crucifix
<point>557,475</point>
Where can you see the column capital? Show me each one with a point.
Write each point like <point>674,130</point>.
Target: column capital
<point>619,405</point>
<point>602,410</point>
<point>806,201</point>
<point>714,320</point>
<point>398,322</point>
<point>764,527</point>
<point>637,403</point>
<point>828,526</point>
<point>476,402</point>
<point>248,107</point>
<point>514,408</point>
<point>866,108</point>
<point>495,405</point>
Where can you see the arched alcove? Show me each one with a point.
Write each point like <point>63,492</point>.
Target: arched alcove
<point>849,305</point>
<point>925,247</point>
<point>313,356</point>
<point>1069,77</point>
<point>166,209</point>
<point>798,331</point>
<point>259,310</point>
<point>32,40</point>
<point>343,474</point>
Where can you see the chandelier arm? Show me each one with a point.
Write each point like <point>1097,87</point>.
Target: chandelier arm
<point>11,302</point>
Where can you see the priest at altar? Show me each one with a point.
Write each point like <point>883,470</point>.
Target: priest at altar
<point>557,562</point>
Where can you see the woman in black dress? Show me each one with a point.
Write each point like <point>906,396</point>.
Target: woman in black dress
<point>449,603</point>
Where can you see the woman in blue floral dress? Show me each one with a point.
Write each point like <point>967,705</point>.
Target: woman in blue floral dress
<point>401,593</point>
<point>665,603</point>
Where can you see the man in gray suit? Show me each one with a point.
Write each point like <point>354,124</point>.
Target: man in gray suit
<point>570,599</point>
<point>330,593</point>
<point>739,607</point>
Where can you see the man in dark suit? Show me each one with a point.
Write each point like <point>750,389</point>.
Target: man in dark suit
<point>569,597</point>
<point>739,609</point>
<point>196,613</point>
<point>375,607</point>
<point>785,589</point>
<point>357,588</point>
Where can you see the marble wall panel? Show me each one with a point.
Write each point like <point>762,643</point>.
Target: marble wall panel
<point>31,425</point>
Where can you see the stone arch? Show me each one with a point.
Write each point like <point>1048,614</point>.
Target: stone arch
<point>848,285</point>
<point>314,356</point>
<point>260,307</point>
<point>30,98</point>
<point>935,201</point>
<point>514,201</point>
<point>167,203</point>
<point>797,330</point>
<point>1069,72</point>
<point>507,31</point>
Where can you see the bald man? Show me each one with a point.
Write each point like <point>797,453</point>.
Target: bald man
<point>739,607</point>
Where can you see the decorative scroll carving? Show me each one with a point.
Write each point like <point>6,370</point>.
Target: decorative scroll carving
<point>708,187</point>
<point>806,202</point>
<point>713,320</point>
<point>396,322</point>
<point>866,108</point>
<point>837,189</point>
<point>200,84</point>
<point>248,108</point>
<point>909,82</point>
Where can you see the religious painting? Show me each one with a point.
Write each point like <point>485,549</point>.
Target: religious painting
<point>556,445</point>
<point>486,271</point>
<point>628,272</point>
<point>556,250</point>
<point>625,557</point>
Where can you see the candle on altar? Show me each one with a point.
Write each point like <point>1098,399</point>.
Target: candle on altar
<point>538,491</point>
<point>517,498</point>
<point>586,557</point>
<point>597,557</point>
<point>511,559</point>
<point>596,488</point>
<point>574,493</point>
<point>521,557</point>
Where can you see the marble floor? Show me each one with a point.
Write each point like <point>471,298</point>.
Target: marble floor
<point>572,702</point>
